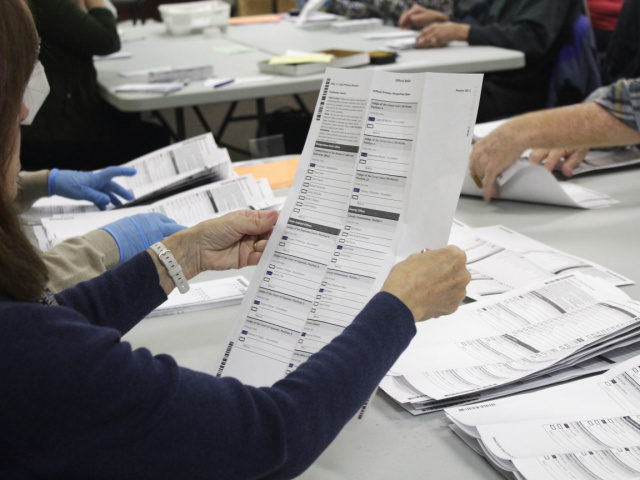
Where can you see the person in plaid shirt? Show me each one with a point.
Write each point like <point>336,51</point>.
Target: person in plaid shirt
<point>560,136</point>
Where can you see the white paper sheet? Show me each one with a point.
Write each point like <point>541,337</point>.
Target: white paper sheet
<point>529,182</point>
<point>122,54</point>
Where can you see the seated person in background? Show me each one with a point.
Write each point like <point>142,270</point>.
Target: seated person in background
<point>623,53</point>
<point>75,127</point>
<point>560,134</point>
<point>535,27</point>
<point>388,10</point>
<point>604,16</point>
<point>82,258</point>
<point>78,402</point>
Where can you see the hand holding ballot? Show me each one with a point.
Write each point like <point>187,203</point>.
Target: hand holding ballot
<point>234,240</point>
<point>430,284</point>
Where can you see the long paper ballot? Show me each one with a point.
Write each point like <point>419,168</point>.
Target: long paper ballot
<point>379,176</point>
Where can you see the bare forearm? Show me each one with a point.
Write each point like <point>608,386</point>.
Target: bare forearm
<point>575,126</point>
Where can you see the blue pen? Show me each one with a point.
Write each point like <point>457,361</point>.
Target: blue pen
<point>224,82</point>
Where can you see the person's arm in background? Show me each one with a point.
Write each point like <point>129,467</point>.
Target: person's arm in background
<point>82,258</point>
<point>612,120</point>
<point>79,259</point>
<point>96,187</point>
<point>88,32</point>
<point>532,29</point>
<point>76,259</point>
<point>31,187</point>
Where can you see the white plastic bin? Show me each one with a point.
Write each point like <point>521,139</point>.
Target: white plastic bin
<point>183,18</point>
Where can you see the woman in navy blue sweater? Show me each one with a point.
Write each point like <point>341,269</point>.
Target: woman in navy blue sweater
<point>77,402</point>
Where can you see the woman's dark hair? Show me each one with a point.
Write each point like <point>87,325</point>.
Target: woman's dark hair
<point>23,274</point>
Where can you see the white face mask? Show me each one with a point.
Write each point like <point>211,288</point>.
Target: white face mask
<point>36,92</point>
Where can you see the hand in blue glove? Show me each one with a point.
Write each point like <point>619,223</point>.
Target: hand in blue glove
<point>138,232</point>
<point>95,187</point>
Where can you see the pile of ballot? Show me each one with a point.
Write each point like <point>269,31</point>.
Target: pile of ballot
<point>556,317</point>
<point>189,181</point>
<point>585,429</point>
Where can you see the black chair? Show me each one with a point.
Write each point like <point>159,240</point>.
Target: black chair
<point>136,9</point>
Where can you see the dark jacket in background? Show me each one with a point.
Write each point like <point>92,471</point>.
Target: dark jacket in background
<point>536,27</point>
<point>623,55</point>
<point>75,128</point>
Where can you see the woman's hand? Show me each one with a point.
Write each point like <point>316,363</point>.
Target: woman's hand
<point>439,34</point>
<point>418,17</point>
<point>234,240</point>
<point>569,158</point>
<point>430,284</point>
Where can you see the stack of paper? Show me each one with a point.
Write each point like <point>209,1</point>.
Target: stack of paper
<point>187,208</point>
<point>202,295</point>
<point>527,338</point>
<point>500,259</point>
<point>166,171</point>
<point>608,159</point>
<point>295,62</point>
<point>585,430</point>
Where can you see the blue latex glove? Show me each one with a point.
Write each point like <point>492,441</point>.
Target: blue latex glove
<point>95,187</point>
<point>138,232</point>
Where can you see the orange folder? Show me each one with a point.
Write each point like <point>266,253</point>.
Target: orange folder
<point>249,19</point>
<point>280,174</point>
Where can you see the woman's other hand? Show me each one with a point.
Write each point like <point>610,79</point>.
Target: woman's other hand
<point>430,284</point>
<point>234,240</point>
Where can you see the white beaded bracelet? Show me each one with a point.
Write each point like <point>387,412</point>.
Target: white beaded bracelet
<point>173,267</point>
